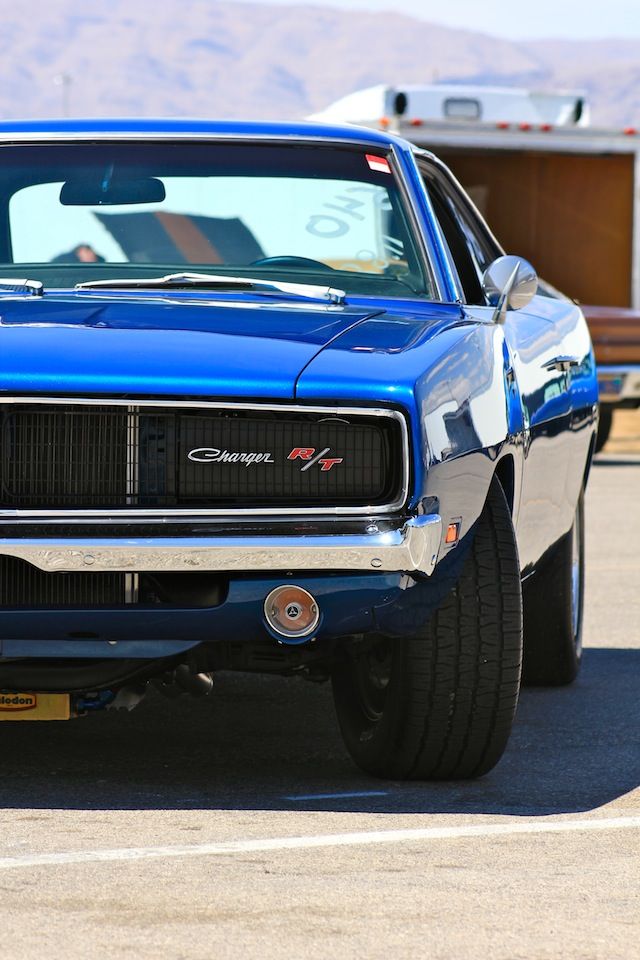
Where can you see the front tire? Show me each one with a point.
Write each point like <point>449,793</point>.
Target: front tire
<point>553,606</point>
<point>440,705</point>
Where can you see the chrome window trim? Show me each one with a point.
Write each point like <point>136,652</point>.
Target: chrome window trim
<point>158,514</point>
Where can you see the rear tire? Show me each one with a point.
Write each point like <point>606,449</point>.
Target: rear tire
<point>553,604</point>
<point>440,705</point>
<point>605,422</point>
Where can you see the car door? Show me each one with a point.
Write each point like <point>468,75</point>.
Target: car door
<point>536,364</point>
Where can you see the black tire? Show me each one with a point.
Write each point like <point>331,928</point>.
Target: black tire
<point>440,705</point>
<point>605,422</point>
<point>553,600</point>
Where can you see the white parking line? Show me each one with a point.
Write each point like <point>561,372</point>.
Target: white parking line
<point>227,847</point>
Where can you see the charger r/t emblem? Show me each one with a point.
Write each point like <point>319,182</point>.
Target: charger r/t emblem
<point>310,456</point>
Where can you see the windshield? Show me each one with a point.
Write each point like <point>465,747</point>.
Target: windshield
<point>316,213</point>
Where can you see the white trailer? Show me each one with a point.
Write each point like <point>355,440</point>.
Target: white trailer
<point>555,190</point>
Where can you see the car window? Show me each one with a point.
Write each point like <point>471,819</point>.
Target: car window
<point>471,248</point>
<point>231,220</point>
<point>321,213</point>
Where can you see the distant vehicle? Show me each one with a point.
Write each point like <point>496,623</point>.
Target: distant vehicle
<point>287,408</point>
<point>564,194</point>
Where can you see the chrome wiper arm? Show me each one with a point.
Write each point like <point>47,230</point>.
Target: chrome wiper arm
<point>305,291</point>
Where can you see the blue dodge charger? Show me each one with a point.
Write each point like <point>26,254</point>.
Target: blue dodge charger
<point>273,398</point>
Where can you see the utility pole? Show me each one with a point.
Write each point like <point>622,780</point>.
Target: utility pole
<point>64,81</point>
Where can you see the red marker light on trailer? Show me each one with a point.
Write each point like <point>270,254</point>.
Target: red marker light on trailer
<point>379,164</point>
<point>502,125</point>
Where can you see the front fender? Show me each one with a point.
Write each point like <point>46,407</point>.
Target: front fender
<point>472,426</point>
<point>451,377</point>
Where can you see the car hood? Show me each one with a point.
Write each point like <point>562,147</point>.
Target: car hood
<point>164,345</point>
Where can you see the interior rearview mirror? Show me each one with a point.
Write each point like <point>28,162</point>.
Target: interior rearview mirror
<point>91,193</point>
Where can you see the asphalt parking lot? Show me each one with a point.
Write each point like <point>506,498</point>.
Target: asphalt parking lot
<point>238,827</point>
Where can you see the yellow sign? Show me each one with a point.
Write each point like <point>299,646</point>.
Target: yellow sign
<point>18,701</point>
<point>35,706</point>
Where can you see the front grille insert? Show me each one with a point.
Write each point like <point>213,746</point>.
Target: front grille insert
<point>117,457</point>
<point>25,587</point>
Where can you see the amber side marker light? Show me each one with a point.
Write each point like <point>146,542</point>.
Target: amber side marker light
<point>291,612</point>
<point>452,534</point>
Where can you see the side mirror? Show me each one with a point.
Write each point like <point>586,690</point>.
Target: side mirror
<point>509,283</point>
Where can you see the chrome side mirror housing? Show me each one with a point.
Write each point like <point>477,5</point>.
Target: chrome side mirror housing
<point>509,283</point>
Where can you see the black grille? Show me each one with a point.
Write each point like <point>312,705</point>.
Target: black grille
<point>103,457</point>
<point>22,585</point>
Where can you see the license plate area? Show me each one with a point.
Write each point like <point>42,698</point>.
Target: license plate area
<point>35,706</point>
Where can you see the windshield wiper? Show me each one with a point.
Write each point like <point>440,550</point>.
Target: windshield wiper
<point>32,288</point>
<point>184,281</point>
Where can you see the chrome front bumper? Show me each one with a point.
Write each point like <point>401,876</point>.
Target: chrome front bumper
<point>410,548</point>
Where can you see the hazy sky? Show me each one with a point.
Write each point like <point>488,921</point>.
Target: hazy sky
<point>576,19</point>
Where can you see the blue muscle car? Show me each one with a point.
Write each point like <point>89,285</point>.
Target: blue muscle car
<point>273,398</point>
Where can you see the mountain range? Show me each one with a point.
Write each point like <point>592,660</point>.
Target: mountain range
<point>205,58</point>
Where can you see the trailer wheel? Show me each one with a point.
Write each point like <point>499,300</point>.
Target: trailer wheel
<point>605,422</point>
<point>440,705</point>
<point>553,603</point>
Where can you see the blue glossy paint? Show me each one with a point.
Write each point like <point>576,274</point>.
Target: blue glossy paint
<point>476,395</point>
<point>348,605</point>
<point>192,344</point>
<point>172,126</point>
<point>58,649</point>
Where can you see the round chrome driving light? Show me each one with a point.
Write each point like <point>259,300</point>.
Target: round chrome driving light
<point>291,612</point>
